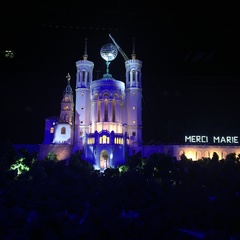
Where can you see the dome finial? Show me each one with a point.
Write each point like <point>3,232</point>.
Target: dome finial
<point>108,52</point>
<point>85,56</point>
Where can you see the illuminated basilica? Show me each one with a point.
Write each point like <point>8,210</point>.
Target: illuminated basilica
<point>103,118</point>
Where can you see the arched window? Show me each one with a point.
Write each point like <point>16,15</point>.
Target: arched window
<point>206,154</point>
<point>118,140</point>
<point>105,110</point>
<point>95,96</point>
<point>104,159</point>
<point>134,75</point>
<point>83,76</point>
<point>98,111</point>
<point>104,140</point>
<point>224,154</point>
<point>190,155</point>
<point>198,155</point>
<point>114,110</point>
<point>63,130</point>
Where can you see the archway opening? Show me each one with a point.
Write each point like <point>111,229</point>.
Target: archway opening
<point>104,159</point>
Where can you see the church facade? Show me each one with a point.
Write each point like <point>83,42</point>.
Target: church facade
<point>103,118</point>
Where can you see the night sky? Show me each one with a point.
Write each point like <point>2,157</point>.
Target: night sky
<point>190,55</point>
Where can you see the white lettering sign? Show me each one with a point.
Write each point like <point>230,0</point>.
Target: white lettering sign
<point>215,139</point>
<point>196,139</point>
<point>227,139</point>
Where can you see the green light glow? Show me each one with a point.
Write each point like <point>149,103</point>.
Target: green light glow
<point>19,166</point>
<point>52,156</point>
<point>123,168</point>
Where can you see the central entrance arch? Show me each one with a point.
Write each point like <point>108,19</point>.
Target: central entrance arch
<point>104,159</point>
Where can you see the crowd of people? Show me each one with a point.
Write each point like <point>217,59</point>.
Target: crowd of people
<point>157,197</point>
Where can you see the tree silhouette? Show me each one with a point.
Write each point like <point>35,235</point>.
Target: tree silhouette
<point>155,196</point>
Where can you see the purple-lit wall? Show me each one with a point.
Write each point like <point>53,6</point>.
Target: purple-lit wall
<point>62,151</point>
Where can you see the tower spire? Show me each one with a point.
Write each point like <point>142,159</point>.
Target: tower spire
<point>133,51</point>
<point>85,56</point>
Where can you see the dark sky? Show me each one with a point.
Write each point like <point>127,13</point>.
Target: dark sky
<point>190,54</point>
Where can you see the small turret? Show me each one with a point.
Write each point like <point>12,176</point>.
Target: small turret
<point>84,78</point>
<point>67,104</point>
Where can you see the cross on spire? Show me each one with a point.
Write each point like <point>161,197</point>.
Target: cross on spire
<point>68,77</point>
